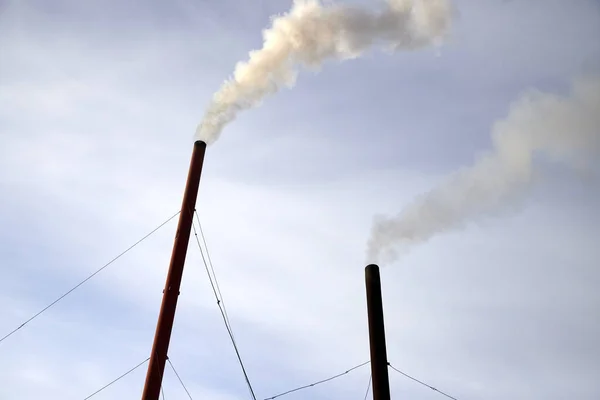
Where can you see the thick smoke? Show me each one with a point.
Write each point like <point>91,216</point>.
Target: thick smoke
<point>539,127</point>
<point>312,33</point>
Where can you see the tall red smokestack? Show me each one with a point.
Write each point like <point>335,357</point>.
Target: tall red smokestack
<point>164,326</point>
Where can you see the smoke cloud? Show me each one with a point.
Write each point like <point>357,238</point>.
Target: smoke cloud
<point>312,33</point>
<point>539,127</point>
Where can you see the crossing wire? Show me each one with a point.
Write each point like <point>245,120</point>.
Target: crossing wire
<point>223,315</point>
<point>421,382</point>
<point>368,386</point>
<point>208,258</point>
<point>118,379</point>
<point>178,377</point>
<point>317,383</point>
<point>86,279</point>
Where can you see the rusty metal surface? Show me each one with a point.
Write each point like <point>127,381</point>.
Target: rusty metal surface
<point>164,325</point>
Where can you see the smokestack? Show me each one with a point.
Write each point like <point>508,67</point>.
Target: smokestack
<point>379,363</point>
<point>164,325</point>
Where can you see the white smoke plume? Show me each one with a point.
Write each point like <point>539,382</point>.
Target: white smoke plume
<point>539,126</point>
<point>311,33</point>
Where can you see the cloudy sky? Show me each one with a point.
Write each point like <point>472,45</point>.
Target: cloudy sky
<point>99,101</point>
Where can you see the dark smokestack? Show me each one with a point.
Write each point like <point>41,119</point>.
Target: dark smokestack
<point>379,364</point>
<point>164,326</point>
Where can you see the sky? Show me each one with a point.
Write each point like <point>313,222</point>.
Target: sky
<point>99,101</point>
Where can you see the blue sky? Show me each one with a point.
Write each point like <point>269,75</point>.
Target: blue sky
<point>99,101</point>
